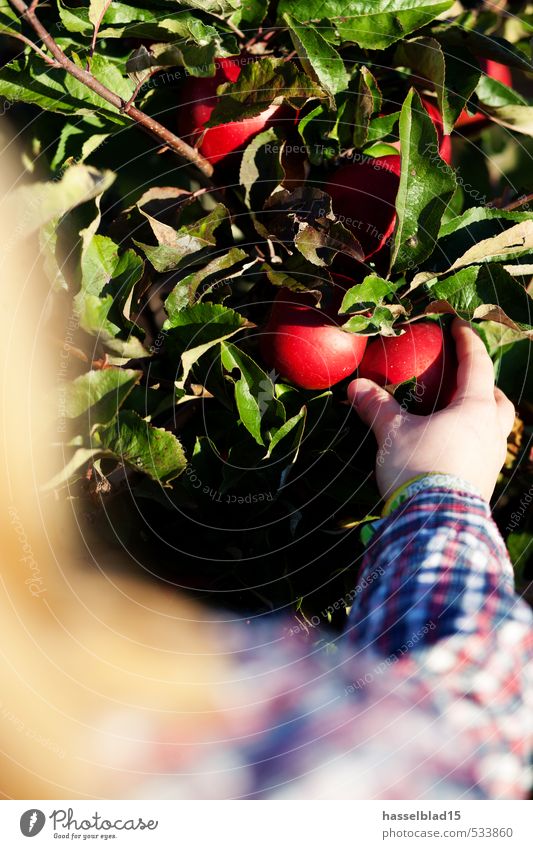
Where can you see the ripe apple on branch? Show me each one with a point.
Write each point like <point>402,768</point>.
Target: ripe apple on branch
<point>198,98</point>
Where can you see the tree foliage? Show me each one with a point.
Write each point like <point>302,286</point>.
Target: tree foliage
<point>169,269</point>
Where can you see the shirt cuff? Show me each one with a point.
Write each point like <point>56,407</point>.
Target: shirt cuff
<point>430,480</point>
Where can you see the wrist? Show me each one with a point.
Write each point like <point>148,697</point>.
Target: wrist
<point>427,480</point>
<point>439,481</point>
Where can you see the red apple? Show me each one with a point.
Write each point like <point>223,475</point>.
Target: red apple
<point>306,345</point>
<point>498,72</point>
<point>199,98</point>
<point>363,195</point>
<point>423,352</point>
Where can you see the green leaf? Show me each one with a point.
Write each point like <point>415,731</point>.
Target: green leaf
<point>318,57</point>
<point>184,293</point>
<point>33,205</point>
<point>453,75</point>
<point>197,329</point>
<point>480,222</point>
<point>88,233</point>
<point>142,63</point>
<point>9,22</point>
<point>517,118</point>
<point>499,339</point>
<point>96,10</point>
<point>493,93</point>
<point>481,234</point>
<point>378,149</point>
<point>375,24</point>
<point>98,263</point>
<point>78,140</point>
<point>94,319</point>
<point>297,423</point>
<point>457,37</point>
<point>426,187</point>
<point>261,170</point>
<point>74,20</point>
<point>380,321</point>
<point>254,391</point>
<point>175,41</point>
<point>250,14</point>
<point>29,80</point>
<point>372,291</point>
<point>515,241</point>
<point>505,106</point>
<point>367,101</point>
<point>8,16</point>
<point>520,546</point>
<point>107,280</point>
<point>304,216</point>
<point>258,85</point>
<point>107,73</point>
<point>53,267</point>
<point>152,450</point>
<point>484,292</point>
<point>217,7</point>
<point>382,126</point>
<point>122,20</point>
<point>175,245</point>
<point>298,275</point>
<point>315,128</point>
<point>78,461</point>
<point>514,374</point>
<point>98,393</point>
<point>328,237</point>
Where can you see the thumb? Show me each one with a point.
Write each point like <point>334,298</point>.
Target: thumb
<point>374,405</point>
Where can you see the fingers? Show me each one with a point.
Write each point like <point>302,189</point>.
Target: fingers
<point>475,372</point>
<point>374,405</point>
<point>506,411</point>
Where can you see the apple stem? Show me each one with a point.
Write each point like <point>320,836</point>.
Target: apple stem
<point>233,27</point>
<point>149,124</point>
<point>274,258</point>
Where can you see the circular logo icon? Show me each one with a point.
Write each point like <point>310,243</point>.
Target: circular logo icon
<point>32,822</point>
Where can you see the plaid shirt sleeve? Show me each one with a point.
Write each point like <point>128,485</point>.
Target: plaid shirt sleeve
<point>437,590</point>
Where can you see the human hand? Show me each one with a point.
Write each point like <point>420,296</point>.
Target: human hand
<point>467,439</point>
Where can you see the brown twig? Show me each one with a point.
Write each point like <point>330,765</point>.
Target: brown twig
<point>137,89</point>
<point>262,37</point>
<point>148,123</point>
<point>516,204</point>
<point>30,43</point>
